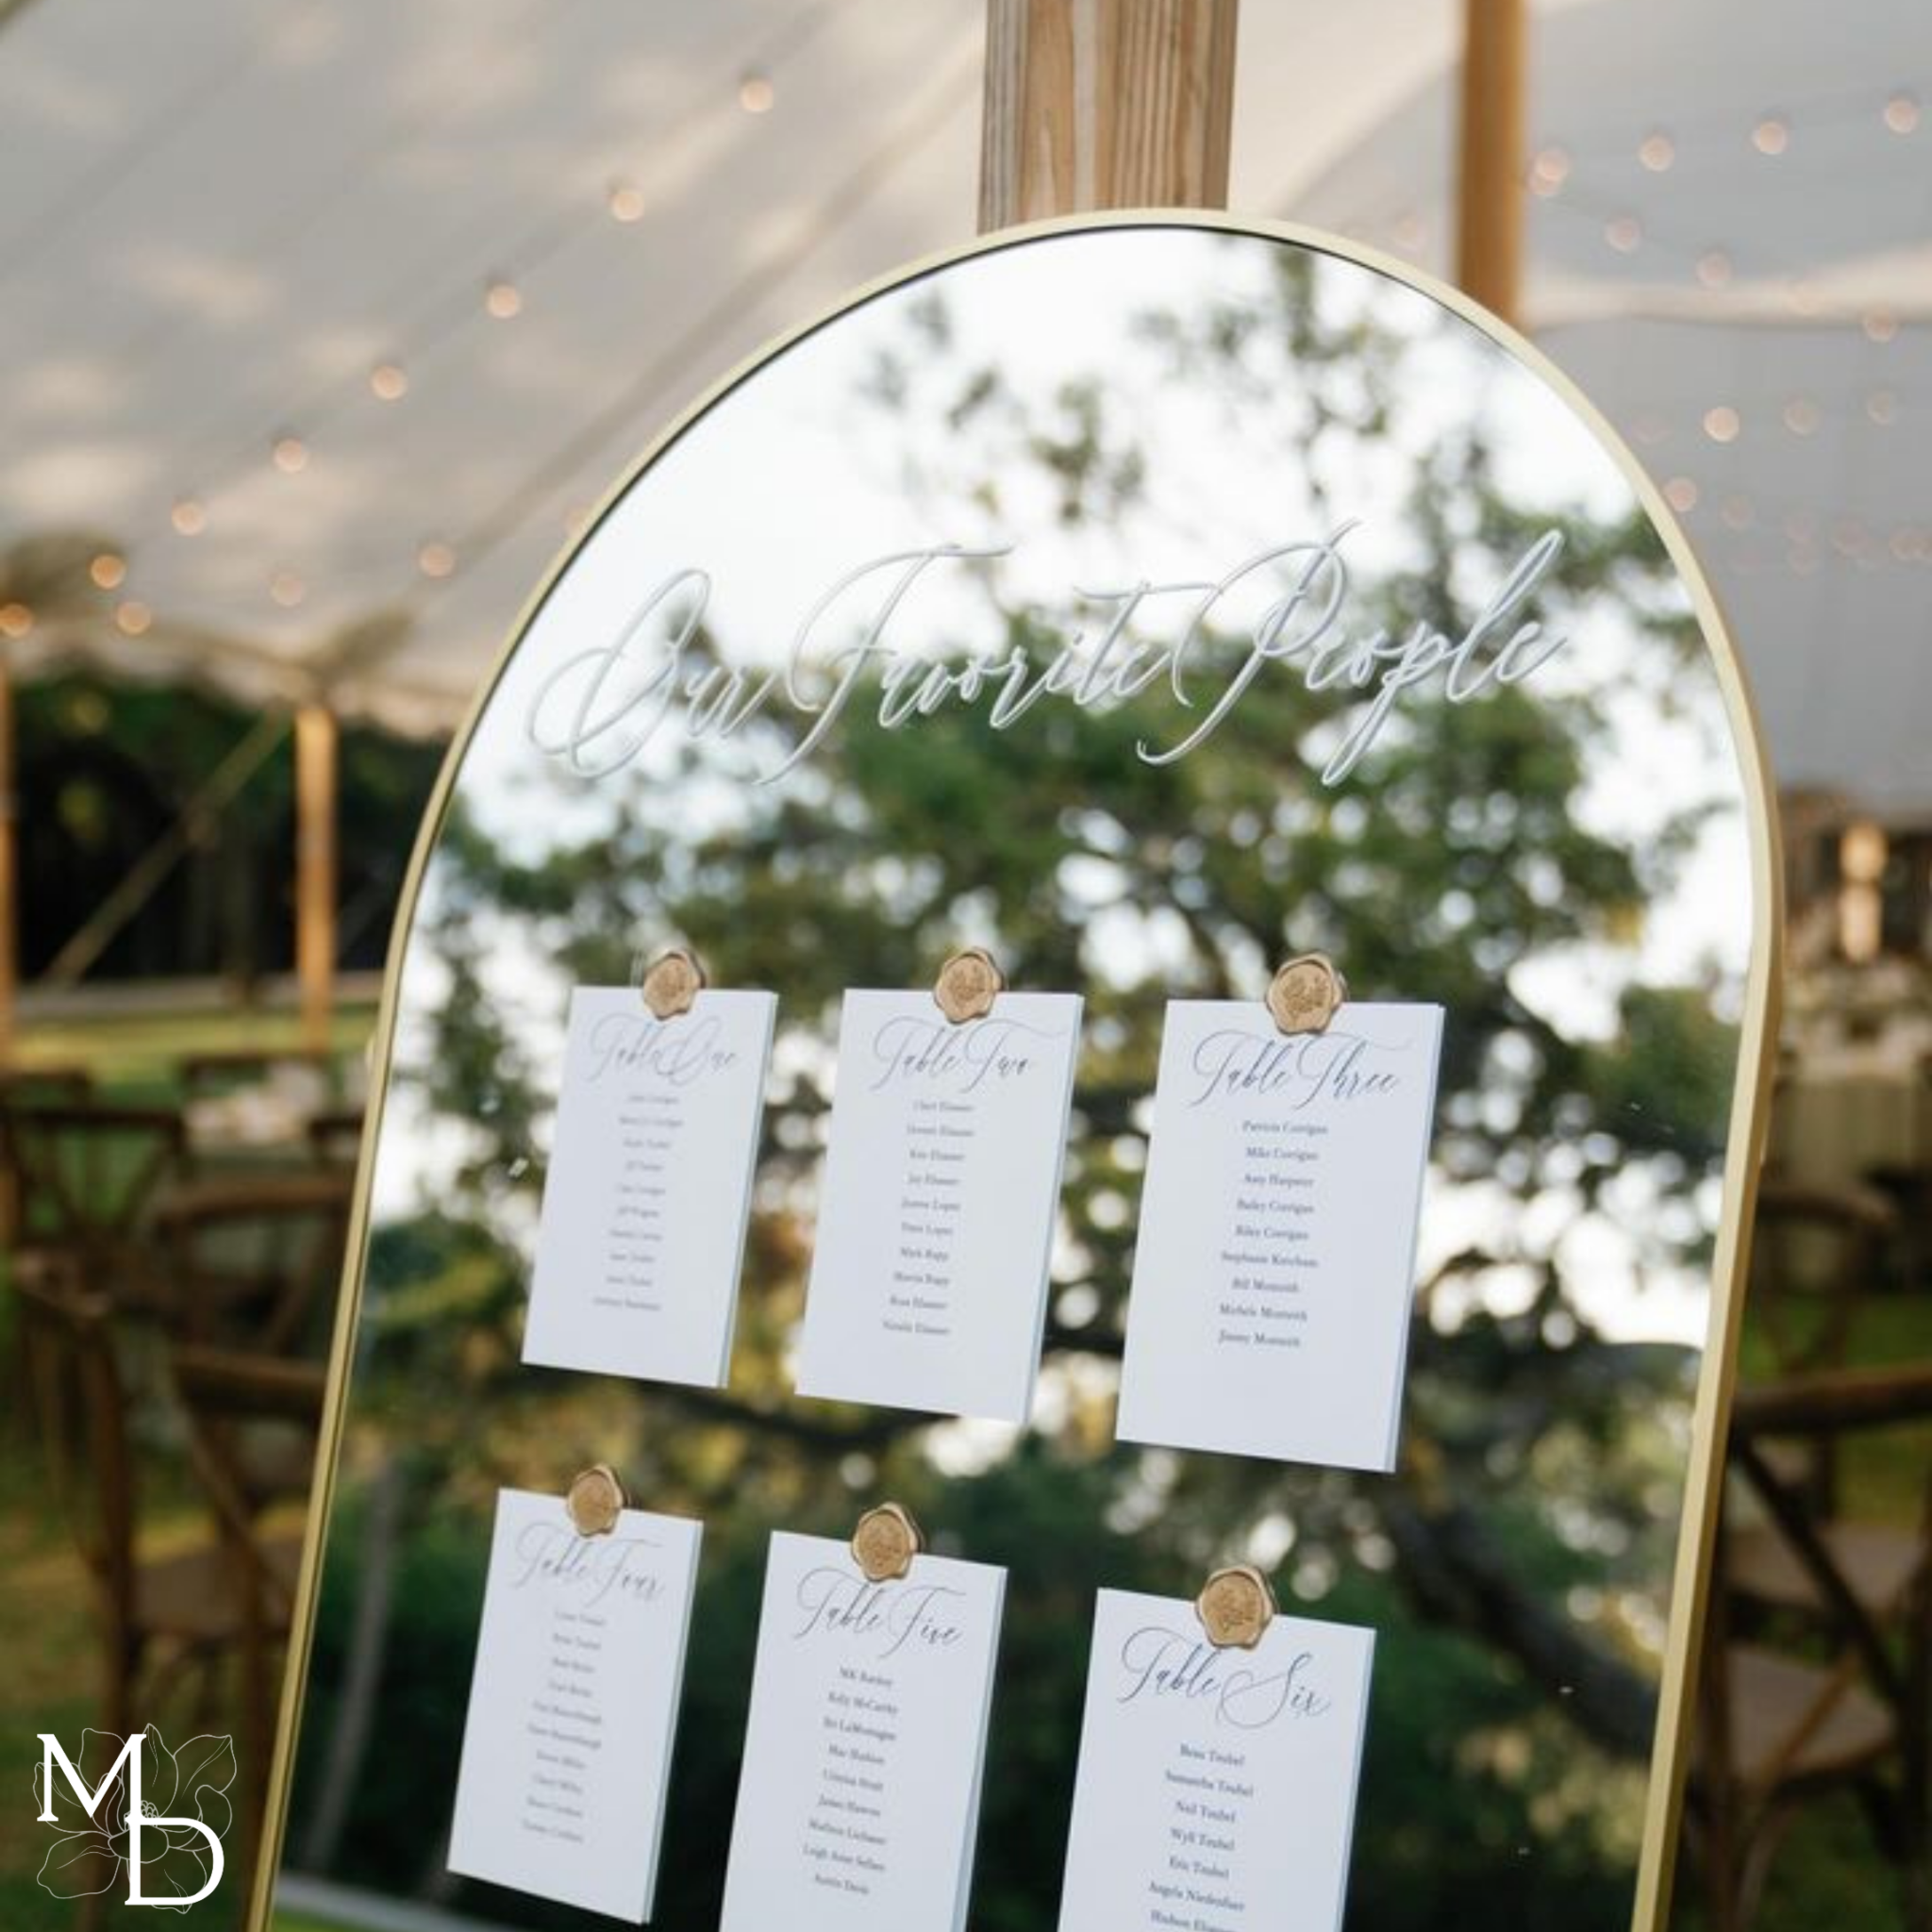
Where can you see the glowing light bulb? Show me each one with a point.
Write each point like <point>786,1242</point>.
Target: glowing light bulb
<point>189,516</point>
<point>1902,113</point>
<point>1680,493</point>
<point>1549,171</point>
<point>133,617</point>
<point>755,94</point>
<point>107,571</point>
<point>436,560</point>
<point>1801,416</point>
<point>1772,136</point>
<point>1657,151</point>
<point>1714,268</point>
<point>1721,424</point>
<point>388,382</point>
<point>287,589</point>
<point>626,202</point>
<point>290,453</point>
<point>16,620</point>
<point>503,299</point>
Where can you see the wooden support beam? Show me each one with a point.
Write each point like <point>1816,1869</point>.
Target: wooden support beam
<point>9,864</point>
<point>1099,104</point>
<point>1492,151</point>
<point>316,753</point>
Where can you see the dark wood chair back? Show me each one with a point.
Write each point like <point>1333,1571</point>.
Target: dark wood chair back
<point>1847,1706</point>
<point>80,1412</point>
<point>1816,1252</point>
<point>255,1261</point>
<point>89,1175</point>
<point>228,1398</point>
<point>335,1138</point>
<point>29,1087</point>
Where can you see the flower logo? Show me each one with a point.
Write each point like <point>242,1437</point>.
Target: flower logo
<point>93,1850</point>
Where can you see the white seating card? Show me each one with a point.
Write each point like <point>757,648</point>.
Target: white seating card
<point>572,1705</point>
<point>1216,1788</point>
<point>649,1188</point>
<point>941,1194</point>
<point>859,1798</point>
<point>1275,1268</point>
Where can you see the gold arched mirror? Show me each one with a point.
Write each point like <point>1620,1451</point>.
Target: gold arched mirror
<point>1417,673</point>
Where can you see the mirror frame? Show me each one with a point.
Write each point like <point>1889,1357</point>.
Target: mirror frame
<point>1749,1113</point>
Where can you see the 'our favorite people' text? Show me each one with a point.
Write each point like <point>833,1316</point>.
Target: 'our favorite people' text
<point>599,708</point>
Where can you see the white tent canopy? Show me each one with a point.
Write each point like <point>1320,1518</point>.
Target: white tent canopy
<point>334,318</point>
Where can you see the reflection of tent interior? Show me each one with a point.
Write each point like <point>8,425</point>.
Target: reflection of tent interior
<point>319,342</point>
<point>1860,886</point>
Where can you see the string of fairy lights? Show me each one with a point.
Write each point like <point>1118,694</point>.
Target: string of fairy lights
<point>1593,186</point>
<point>496,295</point>
<point>1567,177</point>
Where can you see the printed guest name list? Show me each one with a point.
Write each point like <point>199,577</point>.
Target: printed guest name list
<point>649,1188</point>
<point>1276,1266</point>
<point>1216,1788</point>
<point>566,1753</point>
<point>864,1748</point>
<point>936,1220</point>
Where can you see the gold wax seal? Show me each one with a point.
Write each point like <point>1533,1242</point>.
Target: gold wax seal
<point>885,1542</point>
<point>672,984</point>
<point>968,984</point>
<point>594,1500</point>
<point>1236,1607</point>
<point>1305,993</point>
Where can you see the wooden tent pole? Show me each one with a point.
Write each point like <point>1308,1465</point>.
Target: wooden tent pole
<point>1489,179</point>
<point>1091,104</point>
<point>316,751</point>
<point>9,865</point>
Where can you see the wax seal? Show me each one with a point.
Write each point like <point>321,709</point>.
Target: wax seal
<point>1306,992</point>
<point>968,984</point>
<point>673,983</point>
<point>1236,1607</point>
<point>885,1542</point>
<point>594,1500</point>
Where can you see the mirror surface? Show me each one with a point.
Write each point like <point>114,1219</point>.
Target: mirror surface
<point>1272,478</point>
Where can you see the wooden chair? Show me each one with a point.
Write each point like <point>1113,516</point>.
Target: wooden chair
<point>162,1618</point>
<point>29,1087</point>
<point>228,1398</point>
<point>255,1261</point>
<point>89,1177</point>
<point>335,1137</point>
<point>1816,1255</point>
<point>1909,1187</point>
<point>1848,1703</point>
